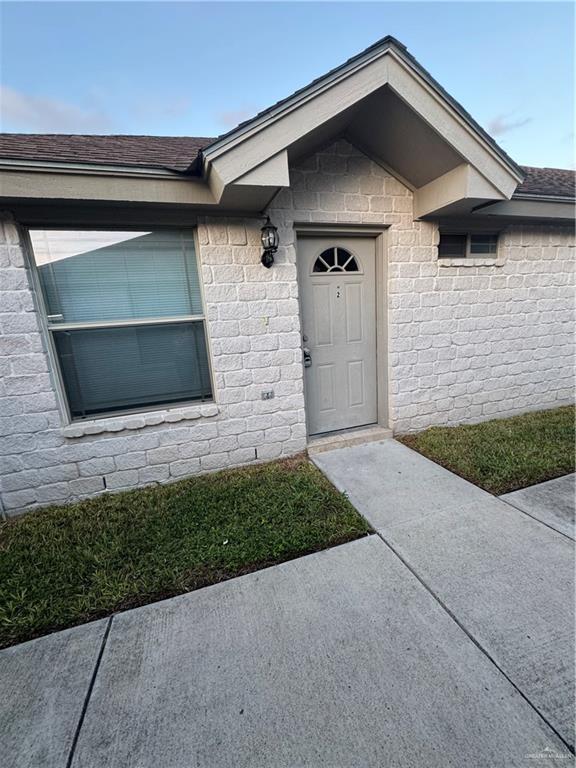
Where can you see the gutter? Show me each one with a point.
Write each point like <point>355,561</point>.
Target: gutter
<point>92,169</point>
<point>528,207</point>
<point>528,198</point>
<point>542,198</point>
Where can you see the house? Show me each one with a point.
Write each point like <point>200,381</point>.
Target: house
<point>421,277</point>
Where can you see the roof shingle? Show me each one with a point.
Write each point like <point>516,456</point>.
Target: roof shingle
<point>555,182</point>
<point>179,154</point>
<point>173,153</point>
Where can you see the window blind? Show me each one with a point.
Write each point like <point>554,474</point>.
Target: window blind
<point>125,315</point>
<point>151,275</point>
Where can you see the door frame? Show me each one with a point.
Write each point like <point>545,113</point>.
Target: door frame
<point>378,235</point>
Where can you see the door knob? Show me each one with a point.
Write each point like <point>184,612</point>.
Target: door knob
<point>307,357</point>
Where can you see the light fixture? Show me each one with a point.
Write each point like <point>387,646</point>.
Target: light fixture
<point>270,240</point>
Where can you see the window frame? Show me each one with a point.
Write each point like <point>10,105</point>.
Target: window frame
<point>48,328</point>
<point>468,255</point>
<point>332,270</point>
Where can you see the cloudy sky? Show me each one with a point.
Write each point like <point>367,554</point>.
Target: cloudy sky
<point>198,69</point>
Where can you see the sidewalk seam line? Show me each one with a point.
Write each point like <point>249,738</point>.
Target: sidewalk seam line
<point>89,692</point>
<point>473,639</point>
<point>537,519</point>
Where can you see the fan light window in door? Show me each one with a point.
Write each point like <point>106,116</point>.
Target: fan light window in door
<point>336,260</point>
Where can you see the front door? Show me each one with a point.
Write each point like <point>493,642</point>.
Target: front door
<point>338,290</point>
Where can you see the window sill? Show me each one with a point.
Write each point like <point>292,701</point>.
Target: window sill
<point>138,420</point>
<point>472,261</point>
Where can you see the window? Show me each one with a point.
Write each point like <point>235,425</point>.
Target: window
<point>335,260</point>
<point>465,245</point>
<point>125,317</point>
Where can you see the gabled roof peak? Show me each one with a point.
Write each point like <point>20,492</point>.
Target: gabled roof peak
<point>376,49</point>
<point>380,45</point>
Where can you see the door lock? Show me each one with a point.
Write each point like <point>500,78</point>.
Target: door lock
<point>307,357</point>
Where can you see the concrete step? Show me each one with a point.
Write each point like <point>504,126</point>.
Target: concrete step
<point>347,438</point>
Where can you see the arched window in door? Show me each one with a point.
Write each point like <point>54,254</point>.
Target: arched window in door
<point>335,260</point>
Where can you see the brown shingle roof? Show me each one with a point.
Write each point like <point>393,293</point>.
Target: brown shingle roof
<point>555,182</point>
<point>173,153</point>
<point>179,153</point>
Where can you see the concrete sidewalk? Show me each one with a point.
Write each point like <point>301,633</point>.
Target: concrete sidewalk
<point>43,687</point>
<point>341,659</point>
<point>445,640</point>
<point>552,503</point>
<point>507,579</point>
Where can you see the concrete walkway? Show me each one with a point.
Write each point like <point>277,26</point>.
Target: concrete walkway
<point>454,652</point>
<point>552,503</point>
<point>342,659</point>
<point>507,579</point>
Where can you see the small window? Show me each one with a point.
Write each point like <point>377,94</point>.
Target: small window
<point>465,245</point>
<point>125,316</point>
<point>452,246</point>
<point>483,245</point>
<point>335,260</point>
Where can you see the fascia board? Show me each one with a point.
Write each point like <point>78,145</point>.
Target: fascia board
<point>457,109</point>
<point>461,183</point>
<point>289,105</point>
<point>530,209</point>
<point>441,192</point>
<point>280,134</point>
<point>49,186</point>
<point>272,173</point>
<point>277,131</point>
<point>445,120</point>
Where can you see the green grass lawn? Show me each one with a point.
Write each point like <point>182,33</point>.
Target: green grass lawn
<point>505,454</point>
<point>62,566</point>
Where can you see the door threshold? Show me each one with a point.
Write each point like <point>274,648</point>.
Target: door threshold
<point>346,438</point>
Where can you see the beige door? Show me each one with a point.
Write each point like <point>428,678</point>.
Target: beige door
<point>338,290</point>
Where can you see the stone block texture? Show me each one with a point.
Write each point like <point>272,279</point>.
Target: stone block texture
<point>252,319</point>
<point>465,343</point>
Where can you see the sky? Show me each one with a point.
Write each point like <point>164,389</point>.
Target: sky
<point>197,69</point>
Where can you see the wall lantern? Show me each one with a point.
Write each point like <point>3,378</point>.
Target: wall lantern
<point>270,240</point>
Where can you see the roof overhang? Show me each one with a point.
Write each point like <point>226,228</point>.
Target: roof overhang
<point>101,185</point>
<point>382,101</point>
<point>533,208</point>
<point>394,111</point>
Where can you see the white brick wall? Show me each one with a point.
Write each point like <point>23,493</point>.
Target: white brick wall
<point>472,343</point>
<point>465,343</point>
<point>253,327</point>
